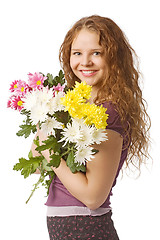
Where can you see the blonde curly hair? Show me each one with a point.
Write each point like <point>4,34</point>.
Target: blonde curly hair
<point>121,81</point>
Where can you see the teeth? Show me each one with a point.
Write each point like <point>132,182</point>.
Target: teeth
<point>88,72</point>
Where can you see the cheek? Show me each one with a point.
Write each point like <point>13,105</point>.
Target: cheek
<point>73,63</point>
<point>103,65</point>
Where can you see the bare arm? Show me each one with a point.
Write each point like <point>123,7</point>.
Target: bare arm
<point>93,187</point>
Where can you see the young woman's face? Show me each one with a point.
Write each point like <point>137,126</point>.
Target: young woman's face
<point>87,58</point>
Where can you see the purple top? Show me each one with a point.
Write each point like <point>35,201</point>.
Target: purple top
<point>60,196</point>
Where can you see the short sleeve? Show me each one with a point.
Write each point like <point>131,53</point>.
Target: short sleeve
<point>114,120</point>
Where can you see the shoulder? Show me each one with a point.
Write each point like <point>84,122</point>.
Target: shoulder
<point>114,120</point>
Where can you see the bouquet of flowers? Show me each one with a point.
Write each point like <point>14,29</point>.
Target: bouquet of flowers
<point>71,124</point>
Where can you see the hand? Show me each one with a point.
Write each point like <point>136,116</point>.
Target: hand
<point>42,136</point>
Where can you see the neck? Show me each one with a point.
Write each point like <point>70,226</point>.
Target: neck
<point>93,96</point>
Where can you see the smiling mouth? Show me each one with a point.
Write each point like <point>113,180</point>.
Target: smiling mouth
<point>88,73</point>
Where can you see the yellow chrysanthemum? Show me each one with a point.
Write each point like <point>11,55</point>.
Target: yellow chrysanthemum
<point>71,98</point>
<point>72,102</point>
<point>83,89</point>
<point>75,103</point>
<point>96,115</point>
<point>100,117</point>
<point>76,111</point>
<point>88,111</point>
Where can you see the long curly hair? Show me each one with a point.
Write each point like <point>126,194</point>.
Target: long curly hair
<point>121,83</point>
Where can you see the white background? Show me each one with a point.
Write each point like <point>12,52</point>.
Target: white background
<point>31,34</point>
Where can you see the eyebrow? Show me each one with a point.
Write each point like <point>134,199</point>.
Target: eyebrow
<point>94,49</point>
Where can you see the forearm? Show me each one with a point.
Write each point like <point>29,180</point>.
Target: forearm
<point>76,183</point>
<point>72,181</point>
<point>82,186</point>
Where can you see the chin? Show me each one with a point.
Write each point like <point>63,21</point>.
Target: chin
<point>89,82</point>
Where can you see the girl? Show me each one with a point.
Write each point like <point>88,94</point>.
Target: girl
<point>96,51</point>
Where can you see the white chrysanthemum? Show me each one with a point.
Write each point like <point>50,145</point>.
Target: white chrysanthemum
<point>50,124</point>
<point>99,135</point>
<point>71,133</point>
<point>39,113</point>
<point>30,100</point>
<point>85,138</point>
<point>55,104</point>
<point>45,95</point>
<point>83,154</point>
<point>78,132</point>
<point>37,97</point>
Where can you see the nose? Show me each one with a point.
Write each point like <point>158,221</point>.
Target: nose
<point>86,60</point>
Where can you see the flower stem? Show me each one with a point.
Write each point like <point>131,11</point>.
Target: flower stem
<point>65,153</point>
<point>40,180</point>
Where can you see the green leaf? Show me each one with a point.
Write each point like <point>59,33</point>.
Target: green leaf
<point>50,143</point>
<point>36,141</point>
<point>50,81</point>
<point>45,165</point>
<point>28,167</point>
<point>48,182</point>
<point>30,155</point>
<point>95,151</point>
<point>25,112</point>
<point>70,162</point>
<point>26,130</point>
<point>23,165</point>
<point>42,148</point>
<point>74,167</point>
<point>28,120</point>
<point>55,162</point>
<point>50,78</point>
<point>45,83</point>
<point>81,168</point>
<point>61,77</point>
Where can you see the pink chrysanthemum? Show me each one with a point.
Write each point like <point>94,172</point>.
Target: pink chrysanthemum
<point>16,103</point>
<point>19,87</point>
<point>59,87</point>
<point>13,85</point>
<point>22,88</point>
<point>36,80</point>
<point>9,103</point>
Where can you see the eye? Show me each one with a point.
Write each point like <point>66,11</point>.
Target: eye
<point>96,53</point>
<point>76,53</point>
